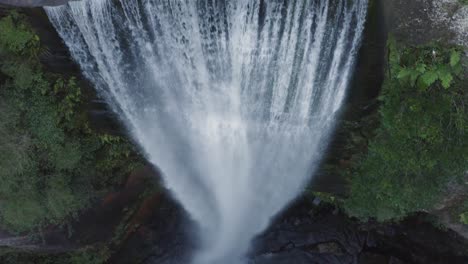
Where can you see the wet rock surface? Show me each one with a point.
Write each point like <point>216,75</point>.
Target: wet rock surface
<point>160,237</point>
<point>34,3</point>
<point>424,21</point>
<point>324,235</point>
<point>306,233</point>
<point>306,236</point>
<point>157,231</point>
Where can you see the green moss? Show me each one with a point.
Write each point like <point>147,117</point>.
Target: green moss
<point>464,218</point>
<point>461,212</point>
<point>16,37</point>
<point>52,165</point>
<point>421,143</point>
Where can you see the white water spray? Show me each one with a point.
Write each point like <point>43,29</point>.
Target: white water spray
<point>233,100</point>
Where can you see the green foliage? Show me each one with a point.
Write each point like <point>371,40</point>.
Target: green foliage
<point>426,66</point>
<point>462,212</point>
<point>90,256</point>
<point>51,164</point>
<point>16,37</point>
<point>421,144</point>
<point>70,93</point>
<point>117,150</point>
<point>464,218</point>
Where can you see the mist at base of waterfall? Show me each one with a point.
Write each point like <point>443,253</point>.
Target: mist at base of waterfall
<point>233,100</point>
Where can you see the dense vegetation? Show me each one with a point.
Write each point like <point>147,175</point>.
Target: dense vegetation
<point>421,144</point>
<point>52,165</point>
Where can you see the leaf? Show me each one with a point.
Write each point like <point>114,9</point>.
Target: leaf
<point>421,67</point>
<point>414,76</point>
<point>404,72</point>
<point>429,78</point>
<point>446,78</point>
<point>408,73</point>
<point>455,58</point>
<point>458,69</point>
<point>445,75</point>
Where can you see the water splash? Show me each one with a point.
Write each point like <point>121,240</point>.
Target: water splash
<point>233,100</point>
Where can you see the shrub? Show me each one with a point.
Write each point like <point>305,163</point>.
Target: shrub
<point>16,37</point>
<point>421,143</point>
<point>50,161</point>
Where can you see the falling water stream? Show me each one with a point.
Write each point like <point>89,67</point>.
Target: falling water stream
<point>233,100</point>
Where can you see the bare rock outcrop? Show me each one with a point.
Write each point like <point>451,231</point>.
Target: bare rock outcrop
<point>423,21</point>
<point>33,3</point>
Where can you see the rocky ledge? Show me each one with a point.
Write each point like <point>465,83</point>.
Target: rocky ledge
<point>422,21</point>
<point>309,232</point>
<point>33,3</point>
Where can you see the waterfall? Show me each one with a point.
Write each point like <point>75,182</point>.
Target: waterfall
<point>233,100</point>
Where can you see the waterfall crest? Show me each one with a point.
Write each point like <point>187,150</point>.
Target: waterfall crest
<point>233,100</point>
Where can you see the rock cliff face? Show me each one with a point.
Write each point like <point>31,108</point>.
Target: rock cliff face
<point>454,14</point>
<point>33,3</point>
<point>423,21</point>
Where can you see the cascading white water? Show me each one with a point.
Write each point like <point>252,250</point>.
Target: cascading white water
<point>233,100</point>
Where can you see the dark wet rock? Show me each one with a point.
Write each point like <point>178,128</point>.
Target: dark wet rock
<point>157,232</point>
<point>323,238</point>
<point>424,21</point>
<point>411,21</point>
<point>34,3</point>
<point>375,258</point>
<point>415,240</point>
<point>328,238</point>
<point>359,105</point>
<point>328,248</point>
<point>314,234</point>
<point>301,257</point>
<point>160,238</point>
<point>298,236</point>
